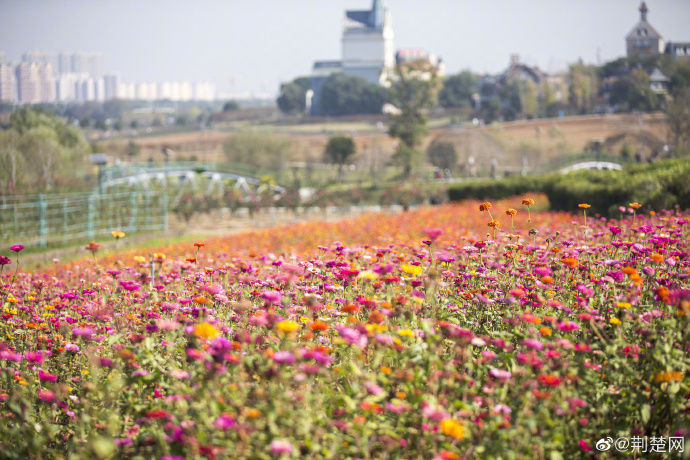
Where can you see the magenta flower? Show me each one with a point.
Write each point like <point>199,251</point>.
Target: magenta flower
<point>4,260</point>
<point>46,395</point>
<point>224,421</point>
<point>46,376</point>
<point>34,357</point>
<point>17,247</point>
<point>500,374</point>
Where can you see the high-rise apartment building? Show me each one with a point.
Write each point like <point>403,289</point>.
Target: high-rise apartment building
<point>8,83</point>
<point>28,83</point>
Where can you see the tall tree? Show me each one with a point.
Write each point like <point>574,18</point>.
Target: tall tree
<point>347,95</point>
<point>338,150</point>
<point>414,91</point>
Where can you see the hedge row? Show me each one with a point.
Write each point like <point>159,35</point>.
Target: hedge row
<point>662,184</point>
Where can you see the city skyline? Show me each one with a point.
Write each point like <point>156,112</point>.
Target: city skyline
<point>252,48</point>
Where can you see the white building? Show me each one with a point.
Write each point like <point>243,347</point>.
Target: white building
<point>367,44</point>
<point>8,83</point>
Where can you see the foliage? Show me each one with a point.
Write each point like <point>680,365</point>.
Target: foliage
<point>348,95</point>
<point>442,155</point>
<point>410,336</point>
<point>292,96</point>
<point>414,91</point>
<point>230,106</point>
<point>678,112</point>
<point>338,150</point>
<point>632,92</point>
<point>458,89</point>
<point>661,184</point>
<point>260,151</point>
<point>39,151</point>
<point>583,84</point>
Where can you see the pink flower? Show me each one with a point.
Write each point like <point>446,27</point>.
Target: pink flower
<point>567,326</point>
<point>281,447</point>
<point>283,357</point>
<point>17,247</point>
<point>46,395</point>
<point>500,374</point>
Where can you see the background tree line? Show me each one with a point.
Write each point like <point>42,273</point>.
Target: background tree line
<point>39,152</point>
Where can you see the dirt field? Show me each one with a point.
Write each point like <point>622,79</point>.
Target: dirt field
<point>509,144</point>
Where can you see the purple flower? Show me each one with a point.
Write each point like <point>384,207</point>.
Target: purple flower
<point>533,343</point>
<point>4,260</point>
<point>46,395</point>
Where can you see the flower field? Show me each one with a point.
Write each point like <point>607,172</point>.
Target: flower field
<point>461,331</point>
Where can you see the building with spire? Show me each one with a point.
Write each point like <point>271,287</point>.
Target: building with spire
<point>643,39</point>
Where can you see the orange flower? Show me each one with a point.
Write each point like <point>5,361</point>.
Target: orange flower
<point>658,258</point>
<point>629,271</point>
<point>584,205</point>
<point>494,224</point>
<point>569,261</point>
<point>191,259</point>
<point>351,308</point>
<point>485,206</point>
<point>511,212</point>
<point>545,330</point>
<point>376,317</point>
<point>674,376</point>
<point>635,205</point>
<point>199,244</point>
<point>527,201</point>
<point>318,325</point>
<point>547,280</point>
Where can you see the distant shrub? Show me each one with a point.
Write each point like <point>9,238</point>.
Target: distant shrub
<point>658,185</point>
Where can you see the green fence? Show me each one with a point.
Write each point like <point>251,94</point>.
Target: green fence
<point>42,220</point>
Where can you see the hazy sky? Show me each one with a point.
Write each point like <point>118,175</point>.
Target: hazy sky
<point>253,45</point>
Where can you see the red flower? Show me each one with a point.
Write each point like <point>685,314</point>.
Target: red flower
<point>550,380</point>
<point>158,413</point>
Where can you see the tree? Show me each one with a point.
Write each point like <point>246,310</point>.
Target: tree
<point>132,149</point>
<point>11,160</point>
<point>292,96</point>
<point>414,91</point>
<point>442,155</point>
<point>230,106</point>
<point>338,150</point>
<point>458,89</point>
<point>678,113</point>
<point>583,86</point>
<point>347,95</point>
<point>632,92</point>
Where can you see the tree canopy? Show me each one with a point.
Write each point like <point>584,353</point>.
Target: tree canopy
<point>347,95</point>
<point>458,89</point>
<point>292,96</point>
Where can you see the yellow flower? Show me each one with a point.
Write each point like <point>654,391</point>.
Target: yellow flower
<point>117,234</point>
<point>288,326</point>
<point>411,269</point>
<point>368,275</point>
<point>635,205</point>
<point>405,333</point>
<point>615,321</point>
<point>584,205</point>
<point>452,428</point>
<point>623,305</point>
<point>139,259</point>
<point>206,331</point>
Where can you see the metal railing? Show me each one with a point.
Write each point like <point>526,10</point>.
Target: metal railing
<point>43,220</point>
